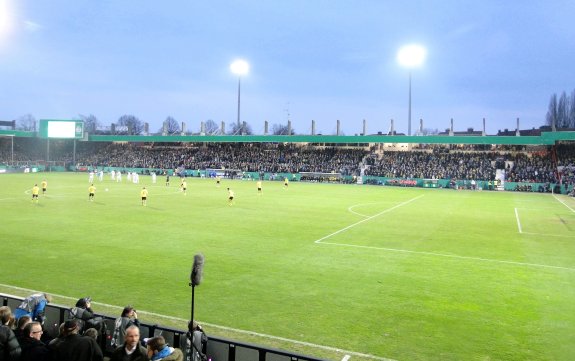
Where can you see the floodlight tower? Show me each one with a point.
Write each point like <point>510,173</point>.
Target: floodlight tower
<point>239,67</point>
<point>411,56</point>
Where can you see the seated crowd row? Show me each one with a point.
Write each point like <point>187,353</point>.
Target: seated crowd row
<point>22,336</point>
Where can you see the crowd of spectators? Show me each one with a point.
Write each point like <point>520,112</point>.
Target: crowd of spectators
<point>22,336</point>
<point>250,157</point>
<point>566,164</point>
<point>538,167</point>
<point>470,162</point>
<point>439,164</point>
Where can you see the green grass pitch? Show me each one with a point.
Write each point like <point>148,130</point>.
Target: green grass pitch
<point>395,273</point>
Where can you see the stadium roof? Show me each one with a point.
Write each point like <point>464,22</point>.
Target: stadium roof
<point>546,138</point>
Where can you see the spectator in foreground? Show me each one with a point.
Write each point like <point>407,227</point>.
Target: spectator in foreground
<point>74,347</point>
<point>131,349</point>
<point>20,325</point>
<point>6,317</point>
<point>199,340</point>
<point>53,344</point>
<point>9,346</point>
<point>128,318</point>
<point>33,306</point>
<point>85,315</point>
<point>91,332</point>
<point>159,350</point>
<point>32,348</point>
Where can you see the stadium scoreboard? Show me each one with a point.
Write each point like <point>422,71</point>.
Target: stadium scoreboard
<point>62,129</point>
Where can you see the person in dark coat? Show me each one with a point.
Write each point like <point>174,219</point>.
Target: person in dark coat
<point>85,316</point>
<point>9,346</point>
<point>52,345</point>
<point>75,347</point>
<point>20,325</point>
<point>32,348</point>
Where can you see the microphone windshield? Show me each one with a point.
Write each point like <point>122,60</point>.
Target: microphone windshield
<point>197,269</point>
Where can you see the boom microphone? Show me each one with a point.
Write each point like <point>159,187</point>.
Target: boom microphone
<point>197,269</point>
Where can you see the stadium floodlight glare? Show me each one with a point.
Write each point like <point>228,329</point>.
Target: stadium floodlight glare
<point>6,20</point>
<point>411,56</point>
<point>239,67</point>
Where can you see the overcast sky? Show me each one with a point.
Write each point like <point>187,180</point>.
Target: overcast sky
<point>309,59</point>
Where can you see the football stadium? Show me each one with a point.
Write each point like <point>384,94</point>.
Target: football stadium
<point>311,247</point>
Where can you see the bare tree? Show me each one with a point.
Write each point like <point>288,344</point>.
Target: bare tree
<point>172,126</point>
<point>134,125</point>
<point>211,127</point>
<point>280,129</point>
<point>551,117</point>
<point>563,111</point>
<point>90,123</point>
<point>429,131</point>
<point>27,123</point>
<point>242,129</point>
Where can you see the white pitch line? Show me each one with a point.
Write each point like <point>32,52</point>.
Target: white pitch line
<point>368,218</point>
<point>350,209</point>
<point>451,256</point>
<point>540,208</point>
<point>328,348</point>
<point>547,235</point>
<point>518,221</point>
<point>565,204</point>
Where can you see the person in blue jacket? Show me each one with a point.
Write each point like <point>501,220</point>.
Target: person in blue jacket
<point>33,306</point>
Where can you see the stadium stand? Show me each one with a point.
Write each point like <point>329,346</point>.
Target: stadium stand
<point>535,167</point>
<point>217,348</point>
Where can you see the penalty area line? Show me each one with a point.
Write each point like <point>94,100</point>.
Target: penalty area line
<point>565,204</point>
<point>368,218</point>
<point>451,256</point>
<point>245,332</point>
<point>350,209</point>
<point>518,221</point>
<point>546,235</point>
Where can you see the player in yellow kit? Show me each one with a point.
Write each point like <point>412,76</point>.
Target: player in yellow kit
<point>144,195</point>
<point>259,185</point>
<point>44,185</point>
<point>35,191</point>
<point>91,192</point>
<point>184,186</point>
<point>230,197</point>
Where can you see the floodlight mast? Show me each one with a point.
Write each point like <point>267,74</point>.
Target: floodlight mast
<point>239,67</point>
<point>411,56</point>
